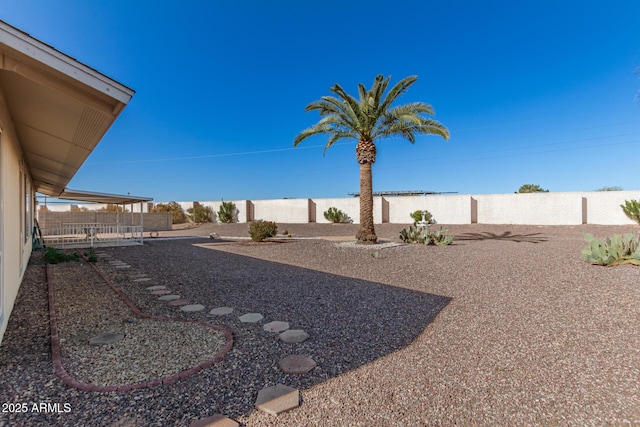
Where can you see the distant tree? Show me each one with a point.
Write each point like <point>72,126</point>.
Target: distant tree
<point>177,213</point>
<point>531,188</point>
<point>199,213</point>
<point>76,208</point>
<point>610,188</point>
<point>112,208</point>
<point>370,117</point>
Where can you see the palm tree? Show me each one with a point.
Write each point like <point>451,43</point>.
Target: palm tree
<point>368,119</point>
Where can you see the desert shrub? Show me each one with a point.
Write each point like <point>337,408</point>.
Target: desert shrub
<point>531,188</point>
<point>336,216</point>
<point>424,236</point>
<point>112,208</point>
<point>260,230</point>
<point>227,212</point>
<point>177,213</point>
<point>618,249</point>
<point>200,214</point>
<point>610,188</point>
<point>56,256</point>
<point>91,256</point>
<point>417,217</point>
<point>631,208</point>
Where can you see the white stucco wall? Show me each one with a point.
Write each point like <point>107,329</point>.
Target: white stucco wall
<point>292,211</point>
<point>446,209</point>
<point>530,208</point>
<point>603,207</point>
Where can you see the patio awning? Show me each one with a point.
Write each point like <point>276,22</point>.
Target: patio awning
<point>60,108</point>
<point>115,199</point>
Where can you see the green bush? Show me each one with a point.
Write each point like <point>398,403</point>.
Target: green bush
<point>199,213</point>
<point>531,188</point>
<point>177,213</point>
<point>91,256</point>
<point>631,208</point>
<point>227,212</point>
<point>417,217</point>
<point>424,236</point>
<point>335,215</point>
<point>260,230</point>
<point>56,256</point>
<point>612,251</point>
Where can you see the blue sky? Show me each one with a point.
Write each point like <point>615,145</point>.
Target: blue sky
<point>537,92</point>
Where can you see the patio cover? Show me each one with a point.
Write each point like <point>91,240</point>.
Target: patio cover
<point>116,199</point>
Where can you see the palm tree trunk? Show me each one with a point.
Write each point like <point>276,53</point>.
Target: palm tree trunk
<point>367,233</point>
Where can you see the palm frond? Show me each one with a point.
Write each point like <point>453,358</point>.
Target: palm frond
<point>397,90</point>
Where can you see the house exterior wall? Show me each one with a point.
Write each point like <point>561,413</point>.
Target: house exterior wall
<point>15,243</point>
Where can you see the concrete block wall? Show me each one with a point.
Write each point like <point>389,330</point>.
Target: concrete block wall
<point>566,208</point>
<point>446,209</point>
<point>530,208</point>
<point>603,207</point>
<point>292,211</point>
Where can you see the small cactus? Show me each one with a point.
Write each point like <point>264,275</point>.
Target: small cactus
<point>619,249</point>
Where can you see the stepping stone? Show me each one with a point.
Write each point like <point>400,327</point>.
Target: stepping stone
<point>178,302</point>
<point>276,326</point>
<point>137,276</point>
<point>192,307</point>
<point>123,266</point>
<point>294,336</point>
<point>161,292</point>
<point>296,364</point>
<point>116,262</point>
<point>216,420</point>
<point>251,318</point>
<point>156,288</point>
<point>277,399</point>
<point>142,279</point>
<point>106,339</point>
<point>169,297</point>
<point>221,311</point>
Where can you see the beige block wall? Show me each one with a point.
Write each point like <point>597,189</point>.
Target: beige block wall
<point>160,221</point>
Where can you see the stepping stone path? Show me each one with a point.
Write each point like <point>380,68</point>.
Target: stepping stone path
<point>169,297</point>
<point>251,318</point>
<point>106,338</point>
<point>178,302</point>
<point>192,307</point>
<point>137,276</point>
<point>156,288</point>
<point>221,311</point>
<point>160,292</point>
<point>142,279</point>
<point>277,399</point>
<point>216,420</point>
<point>276,326</point>
<point>296,364</point>
<point>123,266</point>
<point>294,336</point>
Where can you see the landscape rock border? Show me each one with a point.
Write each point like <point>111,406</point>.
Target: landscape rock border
<point>56,355</point>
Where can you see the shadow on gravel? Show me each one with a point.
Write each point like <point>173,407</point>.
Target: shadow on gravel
<point>519,238</point>
<point>351,322</point>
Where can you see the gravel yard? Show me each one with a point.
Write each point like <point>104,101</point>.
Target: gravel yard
<point>507,326</point>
